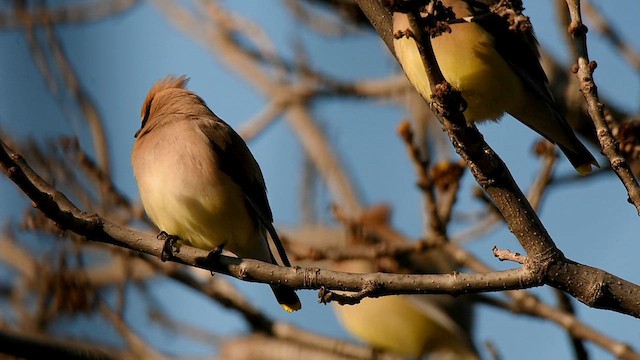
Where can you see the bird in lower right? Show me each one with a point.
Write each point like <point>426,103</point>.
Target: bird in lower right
<point>436,326</point>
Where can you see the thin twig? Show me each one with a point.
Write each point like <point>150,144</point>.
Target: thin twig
<point>72,13</point>
<point>584,71</point>
<point>137,346</point>
<point>610,33</point>
<point>86,104</point>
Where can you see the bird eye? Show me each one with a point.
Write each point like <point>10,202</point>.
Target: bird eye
<point>144,119</point>
<point>146,114</point>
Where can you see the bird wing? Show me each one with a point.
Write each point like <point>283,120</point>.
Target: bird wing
<point>518,48</point>
<point>235,159</point>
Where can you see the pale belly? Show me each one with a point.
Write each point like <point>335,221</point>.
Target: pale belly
<point>470,64</point>
<point>397,327</point>
<point>183,198</point>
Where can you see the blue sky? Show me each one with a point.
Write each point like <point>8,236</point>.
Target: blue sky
<point>119,58</point>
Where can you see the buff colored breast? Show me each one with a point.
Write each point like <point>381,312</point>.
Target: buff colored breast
<point>185,195</point>
<point>468,61</point>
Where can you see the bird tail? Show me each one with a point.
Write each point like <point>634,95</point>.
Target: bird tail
<point>579,157</point>
<point>548,122</point>
<point>287,298</point>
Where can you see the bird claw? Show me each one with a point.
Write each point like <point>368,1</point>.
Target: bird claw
<point>171,245</point>
<point>214,255</point>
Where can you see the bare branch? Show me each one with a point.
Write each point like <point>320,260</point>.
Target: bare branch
<point>508,255</point>
<point>58,208</point>
<point>584,71</point>
<point>23,345</point>
<point>610,33</point>
<point>493,176</point>
<point>88,11</point>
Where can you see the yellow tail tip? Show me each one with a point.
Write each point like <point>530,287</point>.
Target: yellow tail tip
<point>291,307</point>
<point>584,169</point>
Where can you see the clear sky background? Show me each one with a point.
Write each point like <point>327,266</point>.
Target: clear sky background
<point>119,58</point>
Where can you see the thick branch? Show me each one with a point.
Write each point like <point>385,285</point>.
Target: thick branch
<point>67,216</point>
<point>543,257</point>
<point>565,274</point>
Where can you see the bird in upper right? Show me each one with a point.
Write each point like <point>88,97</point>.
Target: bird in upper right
<point>496,69</point>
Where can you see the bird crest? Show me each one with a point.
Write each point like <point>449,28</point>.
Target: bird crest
<point>170,82</point>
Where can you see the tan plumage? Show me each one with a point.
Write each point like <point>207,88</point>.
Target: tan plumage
<point>496,70</point>
<point>199,181</point>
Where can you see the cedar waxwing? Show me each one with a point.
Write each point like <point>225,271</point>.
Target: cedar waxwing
<point>410,325</point>
<point>199,181</point>
<point>497,70</point>
<point>437,326</point>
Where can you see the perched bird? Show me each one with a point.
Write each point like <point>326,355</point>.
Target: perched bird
<point>199,181</point>
<point>410,325</point>
<point>496,69</point>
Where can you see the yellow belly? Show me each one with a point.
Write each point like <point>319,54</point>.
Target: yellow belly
<point>397,327</point>
<point>205,217</point>
<point>470,63</point>
<point>397,323</point>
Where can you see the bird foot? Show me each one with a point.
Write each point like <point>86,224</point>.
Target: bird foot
<point>214,256</point>
<point>171,245</point>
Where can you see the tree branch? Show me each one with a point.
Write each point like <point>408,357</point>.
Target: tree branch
<point>67,216</point>
<point>32,346</point>
<point>598,288</point>
<point>584,71</point>
<point>602,286</point>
